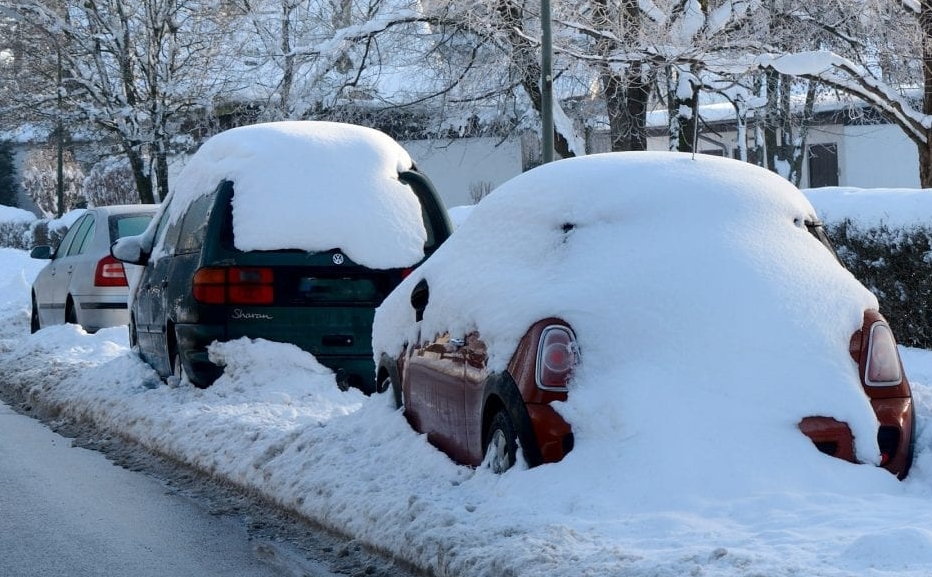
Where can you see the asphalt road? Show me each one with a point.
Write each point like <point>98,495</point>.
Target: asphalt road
<point>69,511</point>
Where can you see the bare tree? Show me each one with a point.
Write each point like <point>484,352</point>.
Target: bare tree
<point>880,53</point>
<point>131,71</point>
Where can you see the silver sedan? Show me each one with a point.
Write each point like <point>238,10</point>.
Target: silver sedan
<point>82,284</point>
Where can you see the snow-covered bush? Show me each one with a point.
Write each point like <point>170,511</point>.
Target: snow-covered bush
<point>895,263</point>
<point>22,230</point>
<point>16,227</point>
<point>110,181</point>
<point>40,181</point>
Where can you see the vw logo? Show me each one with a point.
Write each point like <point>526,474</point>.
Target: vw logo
<point>337,258</point>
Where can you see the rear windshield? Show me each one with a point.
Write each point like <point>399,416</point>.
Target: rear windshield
<point>128,225</point>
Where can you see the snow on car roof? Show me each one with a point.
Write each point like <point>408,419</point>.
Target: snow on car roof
<point>710,321</point>
<point>311,186</point>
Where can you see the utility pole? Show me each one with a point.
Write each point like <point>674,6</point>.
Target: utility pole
<point>546,72</point>
<point>60,173</point>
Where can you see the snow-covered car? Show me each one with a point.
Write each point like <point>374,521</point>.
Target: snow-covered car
<point>686,301</point>
<point>82,283</point>
<point>291,232</point>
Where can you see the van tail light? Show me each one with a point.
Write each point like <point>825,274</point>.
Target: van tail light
<point>109,272</point>
<point>882,367</point>
<point>234,286</point>
<point>557,354</point>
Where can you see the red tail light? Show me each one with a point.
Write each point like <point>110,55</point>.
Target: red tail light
<point>882,366</point>
<point>556,357</point>
<point>109,272</point>
<point>234,286</point>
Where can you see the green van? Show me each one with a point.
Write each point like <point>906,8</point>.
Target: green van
<point>303,273</point>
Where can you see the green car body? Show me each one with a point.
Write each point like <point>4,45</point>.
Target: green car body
<point>202,289</point>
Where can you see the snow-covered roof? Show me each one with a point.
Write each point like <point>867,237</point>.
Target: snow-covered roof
<point>311,186</point>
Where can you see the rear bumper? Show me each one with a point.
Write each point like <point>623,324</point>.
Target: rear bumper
<point>894,436</point>
<point>354,370</point>
<point>897,433</point>
<point>554,435</point>
<point>192,341</point>
<point>99,311</point>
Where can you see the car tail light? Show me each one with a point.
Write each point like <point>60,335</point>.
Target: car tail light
<point>556,357</point>
<point>882,366</point>
<point>234,286</point>
<point>109,272</point>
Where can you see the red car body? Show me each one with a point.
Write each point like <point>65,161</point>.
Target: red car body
<point>449,394</point>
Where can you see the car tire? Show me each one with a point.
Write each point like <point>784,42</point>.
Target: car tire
<point>501,443</point>
<point>177,375</point>
<point>71,313</point>
<point>133,335</point>
<point>34,325</point>
<point>388,383</point>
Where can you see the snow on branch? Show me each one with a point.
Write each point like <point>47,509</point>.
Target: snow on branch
<point>843,74</point>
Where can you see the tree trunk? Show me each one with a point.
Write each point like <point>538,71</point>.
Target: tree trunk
<point>925,164</point>
<point>626,95</point>
<point>925,149</point>
<point>142,178</point>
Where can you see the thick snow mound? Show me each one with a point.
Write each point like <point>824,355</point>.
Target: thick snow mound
<point>710,320</point>
<point>311,186</point>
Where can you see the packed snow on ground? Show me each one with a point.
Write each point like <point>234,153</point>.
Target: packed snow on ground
<point>275,422</point>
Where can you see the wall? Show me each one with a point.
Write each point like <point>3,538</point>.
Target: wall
<point>456,165</point>
<point>879,156</point>
<point>873,156</point>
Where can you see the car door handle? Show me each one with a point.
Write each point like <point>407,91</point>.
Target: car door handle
<point>457,342</point>
<point>164,283</point>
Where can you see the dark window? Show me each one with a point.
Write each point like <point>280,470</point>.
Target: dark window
<point>194,225</point>
<point>83,236</point>
<point>823,165</point>
<point>68,239</point>
<point>160,230</point>
<point>751,152</point>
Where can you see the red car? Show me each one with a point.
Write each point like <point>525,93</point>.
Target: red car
<point>575,271</point>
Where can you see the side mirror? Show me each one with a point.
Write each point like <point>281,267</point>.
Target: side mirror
<point>129,250</point>
<point>419,297</point>
<point>41,252</point>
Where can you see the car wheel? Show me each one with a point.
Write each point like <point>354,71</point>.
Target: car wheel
<point>386,384</point>
<point>71,315</point>
<point>178,375</point>
<point>501,443</point>
<point>133,336</point>
<point>34,318</point>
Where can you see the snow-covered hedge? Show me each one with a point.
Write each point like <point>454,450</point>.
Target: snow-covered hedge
<point>16,227</point>
<point>884,237</point>
<point>21,229</point>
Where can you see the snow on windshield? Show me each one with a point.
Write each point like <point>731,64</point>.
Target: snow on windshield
<point>710,321</point>
<point>311,186</point>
